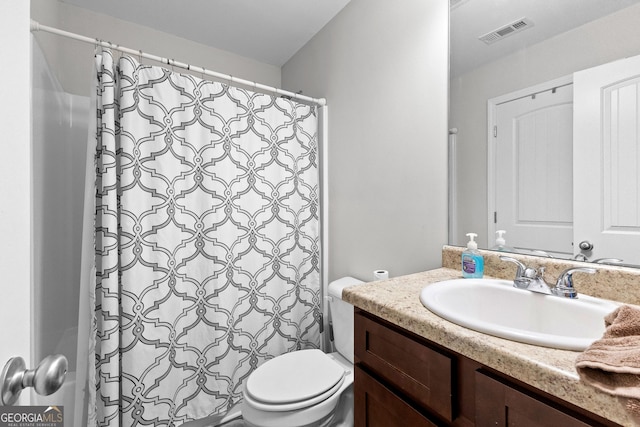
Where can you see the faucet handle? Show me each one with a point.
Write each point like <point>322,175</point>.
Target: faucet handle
<point>521,267</point>
<point>524,275</point>
<point>607,261</point>
<point>564,285</point>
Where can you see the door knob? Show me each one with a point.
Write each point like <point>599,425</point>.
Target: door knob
<point>46,378</point>
<point>585,245</point>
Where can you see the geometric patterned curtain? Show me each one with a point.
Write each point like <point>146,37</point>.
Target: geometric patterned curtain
<point>207,241</point>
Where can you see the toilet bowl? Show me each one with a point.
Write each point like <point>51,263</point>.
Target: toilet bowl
<point>307,388</point>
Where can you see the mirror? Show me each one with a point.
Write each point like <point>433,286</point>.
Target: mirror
<point>502,51</point>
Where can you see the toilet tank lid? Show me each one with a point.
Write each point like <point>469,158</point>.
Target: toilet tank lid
<point>336,287</point>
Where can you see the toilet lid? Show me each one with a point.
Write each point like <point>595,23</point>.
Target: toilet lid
<point>294,377</point>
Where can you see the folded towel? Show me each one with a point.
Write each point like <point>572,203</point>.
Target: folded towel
<point>612,363</point>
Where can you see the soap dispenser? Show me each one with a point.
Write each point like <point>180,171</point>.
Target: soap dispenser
<point>472,261</point>
<point>500,242</point>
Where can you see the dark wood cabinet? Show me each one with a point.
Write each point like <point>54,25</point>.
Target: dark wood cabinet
<point>404,380</point>
<point>500,405</point>
<point>378,406</point>
<point>419,372</point>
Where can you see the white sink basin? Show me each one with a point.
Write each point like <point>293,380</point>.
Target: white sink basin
<point>496,308</point>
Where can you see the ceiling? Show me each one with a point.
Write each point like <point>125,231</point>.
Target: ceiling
<point>473,18</point>
<point>270,31</point>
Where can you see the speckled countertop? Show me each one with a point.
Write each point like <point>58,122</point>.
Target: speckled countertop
<point>397,301</point>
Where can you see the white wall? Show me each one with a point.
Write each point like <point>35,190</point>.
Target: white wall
<point>383,67</point>
<point>71,59</point>
<point>15,183</point>
<point>605,40</point>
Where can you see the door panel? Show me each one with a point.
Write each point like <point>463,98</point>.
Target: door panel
<point>533,176</point>
<point>607,159</point>
<point>15,178</point>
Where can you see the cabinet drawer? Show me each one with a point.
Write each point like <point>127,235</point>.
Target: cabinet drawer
<point>377,406</point>
<point>424,375</point>
<point>498,404</point>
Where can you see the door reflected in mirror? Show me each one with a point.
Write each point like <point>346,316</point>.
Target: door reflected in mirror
<point>530,155</point>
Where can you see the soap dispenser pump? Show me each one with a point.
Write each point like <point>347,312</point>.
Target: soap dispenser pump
<point>472,261</point>
<point>500,242</point>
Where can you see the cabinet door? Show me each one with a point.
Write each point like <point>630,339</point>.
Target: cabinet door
<point>424,375</point>
<point>497,404</point>
<point>377,406</point>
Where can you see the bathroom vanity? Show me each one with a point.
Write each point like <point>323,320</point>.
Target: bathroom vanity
<point>404,380</point>
<point>414,368</point>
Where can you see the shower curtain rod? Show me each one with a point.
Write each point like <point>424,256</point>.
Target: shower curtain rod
<point>36,26</point>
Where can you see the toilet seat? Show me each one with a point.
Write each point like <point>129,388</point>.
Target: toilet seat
<point>270,407</point>
<point>294,381</point>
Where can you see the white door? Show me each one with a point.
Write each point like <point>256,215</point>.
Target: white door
<point>607,160</point>
<point>533,170</point>
<point>15,178</point>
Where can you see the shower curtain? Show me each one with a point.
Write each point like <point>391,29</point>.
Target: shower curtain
<point>206,241</point>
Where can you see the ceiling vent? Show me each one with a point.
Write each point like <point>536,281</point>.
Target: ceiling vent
<point>506,30</point>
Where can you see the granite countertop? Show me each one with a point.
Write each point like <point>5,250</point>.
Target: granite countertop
<point>397,301</point>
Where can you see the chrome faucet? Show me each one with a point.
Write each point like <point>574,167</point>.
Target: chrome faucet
<point>521,266</point>
<point>532,279</point>
<point>537,283</point>
<point>581,257</point>
<point>608,261</point>
<point>542,253</point>
<point>528,278</point>
<point>564,284</point>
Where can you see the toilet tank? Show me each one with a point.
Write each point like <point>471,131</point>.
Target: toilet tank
<point>342,316</point>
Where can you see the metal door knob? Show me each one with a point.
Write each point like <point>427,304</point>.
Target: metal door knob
<point>585,245</point>
<point>46,379</point>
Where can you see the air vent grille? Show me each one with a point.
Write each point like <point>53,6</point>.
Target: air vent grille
<point>519,24</point>
<point>506,30</point>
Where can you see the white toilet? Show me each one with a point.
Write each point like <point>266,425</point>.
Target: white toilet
<point>308,387</point>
